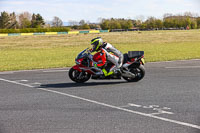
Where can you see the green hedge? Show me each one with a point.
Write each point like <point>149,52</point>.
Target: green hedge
<point>32,30</point>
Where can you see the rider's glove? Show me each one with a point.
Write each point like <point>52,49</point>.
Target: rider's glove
<point>89,50</point>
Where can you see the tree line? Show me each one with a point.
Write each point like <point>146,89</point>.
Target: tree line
<point>186,21</point>
<point>27,22</point>
<point>20,21</point>
<point>169,21</point>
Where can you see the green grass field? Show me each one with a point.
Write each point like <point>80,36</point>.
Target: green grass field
<point>38,52</point>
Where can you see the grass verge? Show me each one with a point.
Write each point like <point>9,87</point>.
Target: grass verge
<point>38,52</point>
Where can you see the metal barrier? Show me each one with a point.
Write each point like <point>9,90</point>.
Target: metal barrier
<point>54,33</point>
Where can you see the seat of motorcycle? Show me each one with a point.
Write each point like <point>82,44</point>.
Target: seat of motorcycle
<point>134,54</point>
<point>126,58</point>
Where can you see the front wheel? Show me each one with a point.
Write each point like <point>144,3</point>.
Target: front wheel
<point>139,73</point>
<point>78,77</point>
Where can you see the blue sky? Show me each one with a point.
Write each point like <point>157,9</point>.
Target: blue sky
<point>91,10</point>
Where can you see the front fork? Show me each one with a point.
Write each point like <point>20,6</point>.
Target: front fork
<point>78,75</point>
<point>82,70</point>
<point>76,67</point>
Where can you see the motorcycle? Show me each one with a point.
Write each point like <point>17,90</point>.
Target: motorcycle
<point>132,69</point>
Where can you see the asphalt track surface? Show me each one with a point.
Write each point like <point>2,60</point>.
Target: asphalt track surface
<point>167,100</point>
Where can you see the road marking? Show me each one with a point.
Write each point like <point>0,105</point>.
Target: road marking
<point>153,107</point>
<point>36,83</point>
<point>156,106</point>
<point>36,70</point>
<point>51,71</point>
<point>108,105</point>
<point>182,67</point>
<point>147,107</point>
<point>6,72</point>
<point>175,61</point>
<point>166,108</point>
<point>15,82</point>
<point>24,80</point>
<point>161,111</point>
<point>134,105</point>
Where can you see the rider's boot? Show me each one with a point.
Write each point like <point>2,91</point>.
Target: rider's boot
<point>107,73</point>
<point>99,73</point>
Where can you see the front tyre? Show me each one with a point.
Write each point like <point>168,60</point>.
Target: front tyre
<point>78,77</point>
<point>139,74</point>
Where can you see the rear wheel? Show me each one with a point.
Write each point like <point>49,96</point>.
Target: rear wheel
<point>139,74</point>
<point>78,77</point>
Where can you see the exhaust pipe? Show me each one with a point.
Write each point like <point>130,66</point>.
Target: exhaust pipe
<point>128,74</point>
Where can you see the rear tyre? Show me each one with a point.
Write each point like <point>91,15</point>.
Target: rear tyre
<point>78,77</point>
<point>139,74</point>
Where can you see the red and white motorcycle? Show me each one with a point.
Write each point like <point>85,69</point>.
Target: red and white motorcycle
<point>132,69</point>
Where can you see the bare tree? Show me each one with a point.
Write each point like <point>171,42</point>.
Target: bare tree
<point>140,18</point>
<point>99,20</point>
<point>188,14</point>
<point>166,15</point>
<point>82,22</point>
<point>24,20</point>
<point>57,22</point>
<point>73,22</point>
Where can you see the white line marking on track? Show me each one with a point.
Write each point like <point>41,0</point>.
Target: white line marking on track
<point>175,61</point>
<point>51,71</point>
<point>108,105</point>
<point>36,83</point>
<point>166,108</point>
<point>36,70</point>
<point>6,72</point>
<point>134,105</point>
<point>156,106</point>
<point>182,67</point>
<point>147,107</point>
<point>24,80</point>
<point>161,111</point>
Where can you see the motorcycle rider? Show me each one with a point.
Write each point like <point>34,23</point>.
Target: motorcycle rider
<point>112,54</point>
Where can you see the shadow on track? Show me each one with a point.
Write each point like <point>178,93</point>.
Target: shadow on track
<point>71,85</point>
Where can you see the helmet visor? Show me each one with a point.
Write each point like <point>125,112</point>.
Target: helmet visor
<point>95,45</point>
